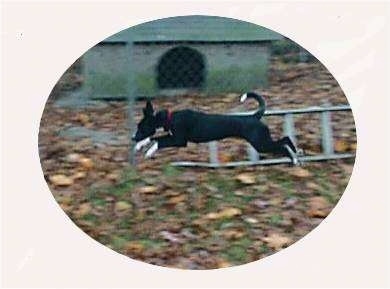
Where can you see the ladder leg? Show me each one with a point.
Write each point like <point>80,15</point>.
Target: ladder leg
<point>213,152</point>
<point>327,133</point>
<point>289,128</point>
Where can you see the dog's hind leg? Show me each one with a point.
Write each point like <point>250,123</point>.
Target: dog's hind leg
<point>283,146</point>
<point>291,149</point>
<point>287,140</point>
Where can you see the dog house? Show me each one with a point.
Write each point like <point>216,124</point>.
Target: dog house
<point>179,55</point>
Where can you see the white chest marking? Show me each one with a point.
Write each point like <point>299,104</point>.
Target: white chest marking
<point>152,150</point>
<point>142,143</point>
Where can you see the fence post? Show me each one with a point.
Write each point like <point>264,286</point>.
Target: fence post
<point>213,151</point>
<point>327,134</point>
<point>131,94</point>
<point>289,128</point>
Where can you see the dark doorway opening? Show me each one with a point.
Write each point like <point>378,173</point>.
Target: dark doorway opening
<point>181,67</point>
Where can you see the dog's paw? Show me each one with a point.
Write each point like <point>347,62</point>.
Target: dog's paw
<point>243,97</point>
<point>150,152</point>
<point>142,143</point>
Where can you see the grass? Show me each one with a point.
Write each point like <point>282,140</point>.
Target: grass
<point>328,190</point>
<point>118,242</point>
<point>171,171</point>
<point>264,249</point>
<point>106,85</point>
<point>128,181</point>
<point>121,189</point>
<point>146,84</point>
<point>223,223</point>
<point>92,194</point>
<point>275,219</point>
<point>90,218</point>
<point>124,223</point>
<point>236,79</point>
<point>152,244</point>
<point>98,202</point>
<point>212,204</point>
<point>218,191</point>
<point>288,186</point>
<point>238,251</point>
<point>223,184</point>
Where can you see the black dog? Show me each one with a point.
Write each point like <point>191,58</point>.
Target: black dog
<point>192,126</point>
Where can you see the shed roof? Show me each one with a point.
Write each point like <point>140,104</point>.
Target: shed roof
<point>195,28</point>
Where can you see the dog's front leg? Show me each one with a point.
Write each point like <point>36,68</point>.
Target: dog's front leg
<point>164,142</point>
<point>142,143</point>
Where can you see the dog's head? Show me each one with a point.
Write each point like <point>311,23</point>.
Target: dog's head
<point>147,126</point>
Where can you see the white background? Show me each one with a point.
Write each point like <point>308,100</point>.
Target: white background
<point>42,247</point>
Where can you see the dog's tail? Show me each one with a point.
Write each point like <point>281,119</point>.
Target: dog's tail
<point>260,112</point>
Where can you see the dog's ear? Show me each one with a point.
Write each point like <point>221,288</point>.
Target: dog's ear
<point>148,110</point>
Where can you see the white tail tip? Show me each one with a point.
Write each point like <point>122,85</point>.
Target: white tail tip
<point>243,97</point>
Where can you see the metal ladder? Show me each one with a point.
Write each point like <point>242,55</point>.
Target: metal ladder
<point>289,130</point>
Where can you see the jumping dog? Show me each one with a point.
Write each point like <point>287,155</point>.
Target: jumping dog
<point>193,126</point>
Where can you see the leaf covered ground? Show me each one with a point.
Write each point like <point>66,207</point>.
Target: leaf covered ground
<point>196,218</point>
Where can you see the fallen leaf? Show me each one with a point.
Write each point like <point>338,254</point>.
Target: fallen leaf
<point>85,223</point>
<point>79,175</point>
<point>113,177</point>
<point>319,207</point>
<point>251,220</point>
<point>246,178</point>
<point>122,206</point>
<point>134,247</point>
<point>66,207</point>
<point>261,204</point>
<point>65,200</point>
<point>177,199</point>
<point>224,157</point>
<point>313,186</point>
<point>340,146</point>
<point>347,168</point>
<point>73,158</point>
<point>171,237</point>
<point>290,202</point>
<point>300,172</point>
<point>83,118</point>
<point>233,234</point>
<point>61,180</point>
<point>83,210</point>
<point>147,190</point>
<point>223,264</point>
<point>225,213</point>
<point>276,241</point>
<point>86,163</point>
<point>239,193</point>
<point>211,188</point>
<point>188,234</point>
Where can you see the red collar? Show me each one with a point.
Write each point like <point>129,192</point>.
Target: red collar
<point>168,121</point>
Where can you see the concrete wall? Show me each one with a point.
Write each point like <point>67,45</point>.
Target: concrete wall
<point>233,67</point>
<point>106,71</point>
